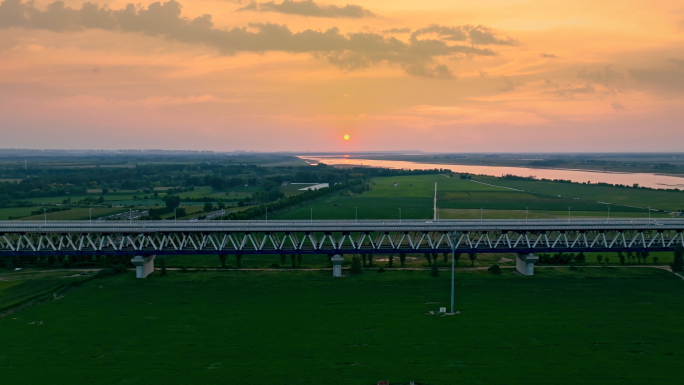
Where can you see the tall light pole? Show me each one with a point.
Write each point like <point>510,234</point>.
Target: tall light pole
<point>266,214</point>
<point>356,213</point>
<point>481,214</point>
<point>568,214</point>
<point>649,212</point>
<point>90,212</point>
<point>452,238</point>
<point>608,212</point>
<point>45,213</point>
<point>527,213</point>
<point>130,216</point>
<point>399,214</point>
<point>312,215</point>
<point>175,219</point>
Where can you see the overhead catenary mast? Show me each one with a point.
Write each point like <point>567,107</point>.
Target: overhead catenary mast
<point>434,209</point>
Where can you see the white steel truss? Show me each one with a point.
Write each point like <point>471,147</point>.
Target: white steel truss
<point>332,242</point>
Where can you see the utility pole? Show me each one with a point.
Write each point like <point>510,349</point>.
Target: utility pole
<point>434,208</point>
<point>90,212</point>
<point>527,213</point>
<point>568,214</point>
<point>45,213</point>
<point>452,238</point>
<point>481,214</point>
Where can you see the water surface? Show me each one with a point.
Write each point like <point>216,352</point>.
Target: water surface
<point>643,179</point>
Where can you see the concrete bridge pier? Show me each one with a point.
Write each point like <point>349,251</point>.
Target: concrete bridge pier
<point>525,263</point>
<point>337,265</point>
<point>144,266</point>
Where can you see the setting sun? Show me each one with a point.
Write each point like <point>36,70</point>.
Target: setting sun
<point>346,137</point>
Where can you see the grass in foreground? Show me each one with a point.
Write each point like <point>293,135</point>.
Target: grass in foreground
<point>560,327</point>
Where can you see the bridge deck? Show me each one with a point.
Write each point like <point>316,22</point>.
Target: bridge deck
<point>338,225</point>
<point>337,237</point>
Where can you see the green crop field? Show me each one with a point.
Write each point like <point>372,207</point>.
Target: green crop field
<point>75,214</point>
<point>458,199</point>
<point>423,186</point>
<point>17,287</point>
<point>293,189</point>
<point>16,212</point>
<point>343,207</point>
<point>597,326</point>
<point>662,200</point>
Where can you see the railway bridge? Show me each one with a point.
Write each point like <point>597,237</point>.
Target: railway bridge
<point>143,240</point>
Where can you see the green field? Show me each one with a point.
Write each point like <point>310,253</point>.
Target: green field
<point>597,326</point>
<point>75,214</point>
<point>18,287</point>
<point>662,200</point>
<point>463,199</point>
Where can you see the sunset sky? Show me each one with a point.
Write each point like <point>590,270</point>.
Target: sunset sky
<point>297,75</point>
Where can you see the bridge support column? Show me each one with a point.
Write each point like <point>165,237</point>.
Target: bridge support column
<point>525,263</point>
<point>337,265</point>
<point>144,266</point>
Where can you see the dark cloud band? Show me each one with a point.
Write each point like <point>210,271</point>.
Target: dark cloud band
<point>309,8</point>
<point>348,51</point>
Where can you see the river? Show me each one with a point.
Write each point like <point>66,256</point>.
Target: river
<point>643,179</point>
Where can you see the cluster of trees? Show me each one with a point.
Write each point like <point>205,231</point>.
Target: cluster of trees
<point>70,261</point>
<point>561,258</point>
<point>630,257</point>
<point>50,210</point>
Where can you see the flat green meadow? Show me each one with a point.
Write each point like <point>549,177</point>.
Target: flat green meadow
<point>596,326</point>
<point>467,199</point>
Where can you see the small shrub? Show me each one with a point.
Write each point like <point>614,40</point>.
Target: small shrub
<point>402,259</point>
<point>381,270</point>
<point>119,269</point>
<point>162,265</point>
<point>356,265</point>
<point>390,260</point>
<point>184,270</point>
<point>678,264</point>
<point>599,258</point>
<point>655,260</point>
<point>495,269</point>
<point>472,257</point>
<point>106,273</point>
<point>66,264</point>
<point>275,265</point>
<point>435,270</point>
